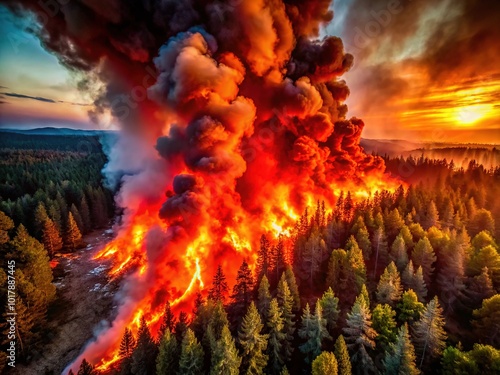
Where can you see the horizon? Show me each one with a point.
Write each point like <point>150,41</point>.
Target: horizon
<point>400,90</point>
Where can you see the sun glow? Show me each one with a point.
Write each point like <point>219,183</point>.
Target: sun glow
<point>470,114</point>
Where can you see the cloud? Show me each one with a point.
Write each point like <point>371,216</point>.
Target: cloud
<point>41,99</point>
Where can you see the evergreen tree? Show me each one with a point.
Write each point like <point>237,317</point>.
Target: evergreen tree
<point>428,335</point>
<point>356,265</point>
<point>398,253</point>
<point>127,346</point>
<point>431,217</point>
<point>276,338</point>
<point>253,343</point>
<point>342,356</point>
<point>168,322</point>
<point>181,326</point>
<point>278,259</point>
<point>144,355</point>
<point>385,325</point>
<point>389,287</point>
<point>263,258</point>
<point>264,297</point>
<point>86,368</point>
<point>40,218</point>
<point>72,236</point>
<point>325,364</point>
<point>51,238</point>
<point>292,285</point>
<point>285,302</point>
<point>408,275</point>
<point>313,330</point>
<point>219,288</point>
<point>329,304</point>
<point>409,307</point>
<point>400,359</point>
<point>225,358</point>
<point>418,284</point>
<point>85,215</point>
<point>6,224</point>
<point>360,336</point>
<point>168,356</point>
<point>191,359</point>
<point>423,255</point>
<point>242,293</point>
<point>487,321</point>
<point>380,249</point>
<point>78,218</point>
<point>487,256</point>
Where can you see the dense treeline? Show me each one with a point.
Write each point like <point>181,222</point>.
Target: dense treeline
<point>405,282</point>
<point>49,199</point>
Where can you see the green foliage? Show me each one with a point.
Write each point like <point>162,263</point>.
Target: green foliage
<point>325,364</point>
<point>168,357</point>
<point>329,304</point>
<point>429,335</point>
<point>191,359</point>
<point>423,255</point>
<point>72,236</point>
<point>400,358</point>
<point>219,288</point>
<point>276,338</point>
<point>409,307</point>
<point>253,343</point>
<point>385,326</point>
<point>225,358</point>
<point>263,297</point>
<point>487,321</point>
<point>313,330</point>
<point>286,302</point>
<point>342,356</point>
<point>389,287</point>
<point>144,355</point>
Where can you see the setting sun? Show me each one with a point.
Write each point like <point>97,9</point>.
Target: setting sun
<point>470,114</point>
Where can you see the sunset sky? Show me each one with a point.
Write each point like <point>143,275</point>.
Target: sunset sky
<point>422,71</point>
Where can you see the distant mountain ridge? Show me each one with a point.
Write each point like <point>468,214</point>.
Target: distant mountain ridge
<point>56,131</point>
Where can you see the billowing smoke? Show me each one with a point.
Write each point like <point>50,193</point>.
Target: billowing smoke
<point>234,122</point>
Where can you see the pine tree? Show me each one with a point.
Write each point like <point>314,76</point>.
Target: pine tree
<point>127,346</point>
<point>51,238</point>
<point>400,359</point>
<point>264,297</point>
<point>191,359</point>
<point>168,356</point>
<point>225,358</point>
<point>40,218</point>
<point>263,258</point>
<point>419,285</point>
<point>342,356</point>
<point>253,343</point>
<point>431,217</point>
<point>86,368</point>
<point>360,336</point>
<point>144,355</point>
<point>389,287</point>
<point>325,364</point>
<point>278,259</point>
<point>408,275</point>
<point>313,330</point>
<point>276,338</point>
<point>285,302</point>
<point>423,255</point>
<point>356,266</point>
<point>380,249</point>
<point>330,306</point>
<point>487,321</point>
<point>219,288</point>
<point>292,285</point>
<point>168,322</point>
<point>428,334</point>
<point>398,253</point>
<point>6,224</point>
<point>409,307</point>
<point>181,326</point>
<point>385,325</point>
<point>242,293</point>
<point>85,214</point>
<point>78,218</point>
<point>72,236</point>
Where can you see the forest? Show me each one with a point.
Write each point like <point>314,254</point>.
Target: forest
<point>403,282</point>
<point>51,195</point>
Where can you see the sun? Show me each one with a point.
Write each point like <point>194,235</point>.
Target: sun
<point>470,114</point>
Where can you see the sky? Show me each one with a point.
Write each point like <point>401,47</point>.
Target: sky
<point>423,71</point>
